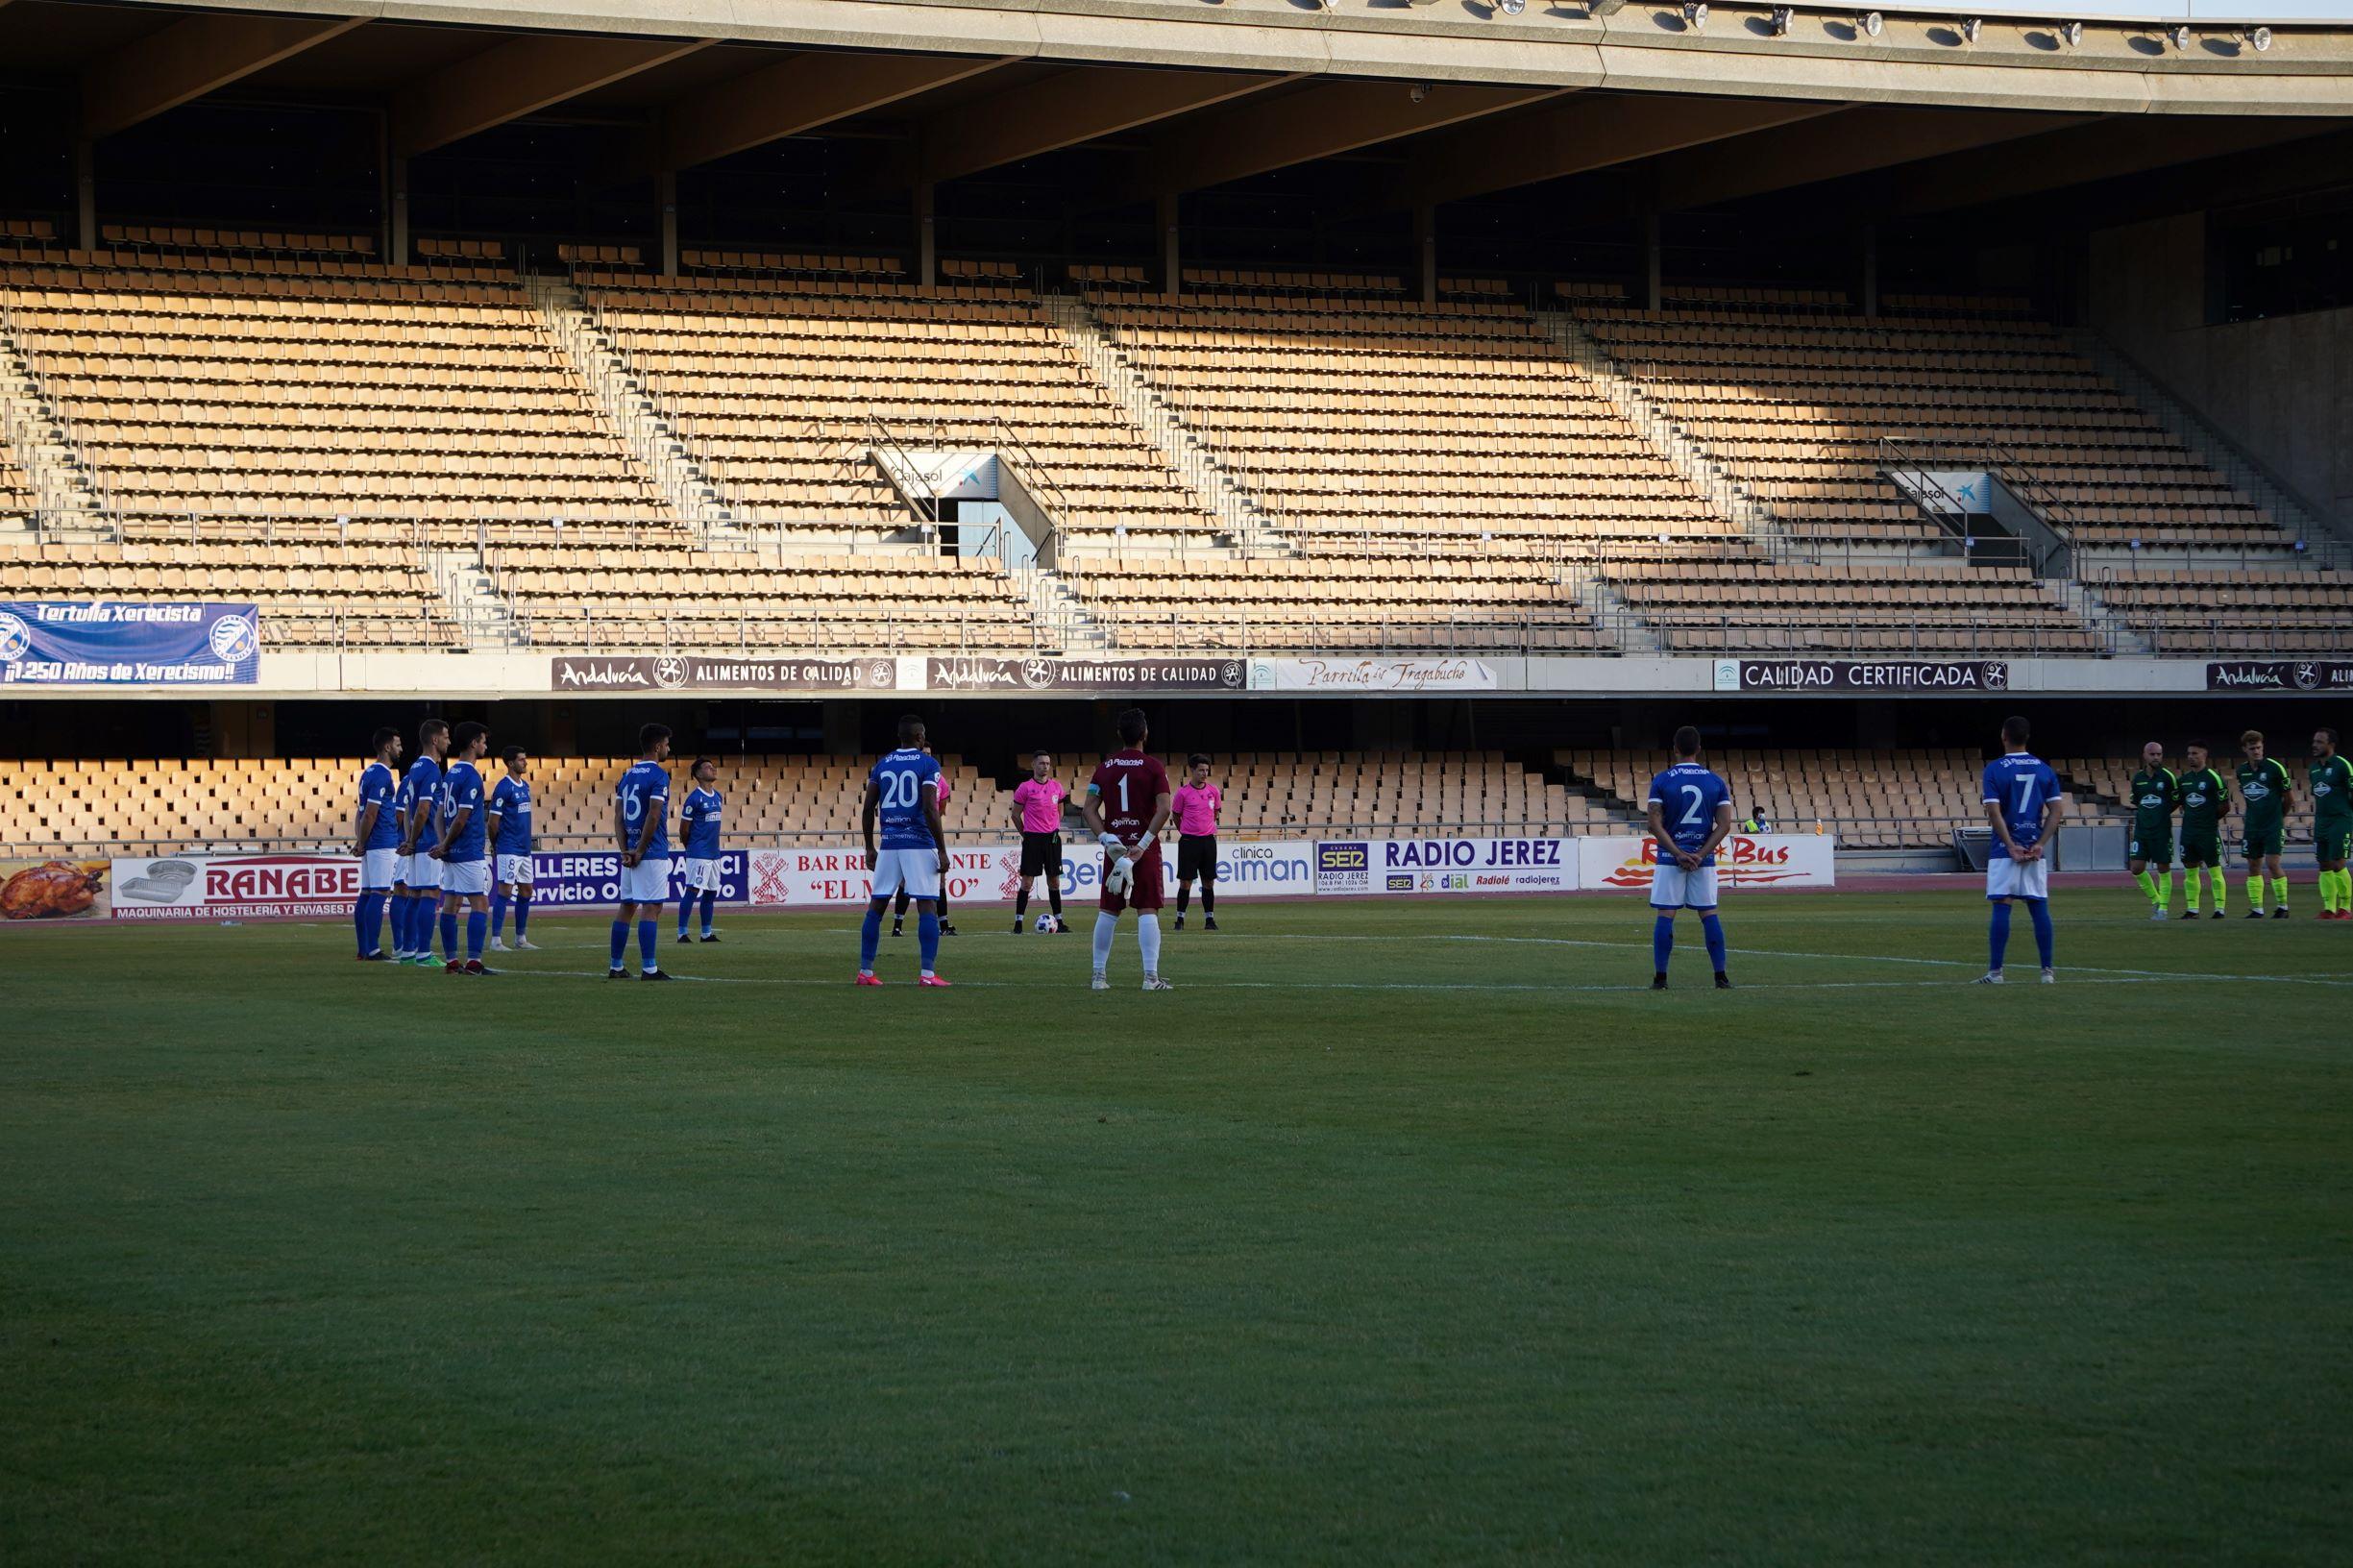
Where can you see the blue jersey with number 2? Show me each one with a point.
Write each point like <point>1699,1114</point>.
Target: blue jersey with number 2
<point>905,780</point>
<point>2022,786</point>
<point>1687,796</point>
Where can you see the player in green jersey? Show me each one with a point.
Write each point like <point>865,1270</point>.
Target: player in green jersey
<point>2205,801</point>
<point>2266,793</point>
<point>2331,781</point>
<point>2156,795</point>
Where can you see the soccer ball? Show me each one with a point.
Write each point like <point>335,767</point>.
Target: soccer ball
<point>1045,922</point>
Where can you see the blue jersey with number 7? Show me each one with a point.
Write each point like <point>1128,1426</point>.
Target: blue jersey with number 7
<point>904,781</point>
<point>2022,786</point>
<point>1687,796</point>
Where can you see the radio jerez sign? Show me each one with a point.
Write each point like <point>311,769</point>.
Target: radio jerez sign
<point>982,673</point>
<point>718,673</point>
<point>2281,676</point>
<point>129,645</point>
<point>1862,676</point>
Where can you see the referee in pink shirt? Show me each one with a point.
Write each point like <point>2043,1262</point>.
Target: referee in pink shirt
<point>1037,812</point>
<point>1194,806</point>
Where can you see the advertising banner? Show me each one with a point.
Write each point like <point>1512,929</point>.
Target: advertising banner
<point>56,890</point>
<point>1809,675</point>
<point>1039,673</point>
<point>129,645</point>
<point>1475,866</point>
<point>1744,863</point>
<point>574,878</point>
<point>1342,675</point>
<point>2281,676</point>
<point>821,877</point>
<point>233,887</point>
<point>718,673</point>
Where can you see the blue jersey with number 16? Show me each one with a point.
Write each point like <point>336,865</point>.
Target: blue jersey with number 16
<point>1687,796</point>
<point>646,788</point>
<point>2022,786</point>
<point>904,780</point>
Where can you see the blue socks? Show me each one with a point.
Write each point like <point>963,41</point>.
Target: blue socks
<point>649,942</point>
<point>478,926</point>
<point>449,932</point>
<point>869,937</point>
<point>2039,911</point>
<point>710,900</point>
<point>1997,934</point>
<point>360,923</point>
<point>1713,929</point>
<point>523,916</point>
<point>621,942</point>
<point>927,933</point>
<point>399,917</point>
<point>498,915</point>
<point>1662,941</point>
<point>686,911</point>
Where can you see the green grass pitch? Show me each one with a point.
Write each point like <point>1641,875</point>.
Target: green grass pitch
<point>1412,1232</point>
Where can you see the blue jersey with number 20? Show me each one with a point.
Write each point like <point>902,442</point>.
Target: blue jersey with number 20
<point>2022,786</point>
<point>1687,796</point>
<point>904,780</point>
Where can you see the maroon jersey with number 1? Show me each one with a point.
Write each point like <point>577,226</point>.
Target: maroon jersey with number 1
<point>1129,785</point>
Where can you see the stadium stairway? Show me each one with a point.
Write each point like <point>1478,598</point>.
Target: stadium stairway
<point>1689,458</point>
<point>626,406</point>
<point>473,599</point>
<point>67,503</point>
<point>1212,477</point>
<point>1619,619</point>
<point>2085,605</point>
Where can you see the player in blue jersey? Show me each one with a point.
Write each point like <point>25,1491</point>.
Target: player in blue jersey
<point>464,849</point>
<point>421,873</point>
<point>641,819</point>
<point>1691,811</point>
<point>376,838</point>
<point>2024,803</point>
<point>902,793</point>
<point>699,823</point>
<point>510,851</point>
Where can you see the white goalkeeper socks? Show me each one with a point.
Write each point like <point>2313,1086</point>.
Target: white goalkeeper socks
<point>1105,926</point>
<point>1147,937</point>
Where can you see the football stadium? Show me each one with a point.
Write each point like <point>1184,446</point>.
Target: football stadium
<point>1622,725</point>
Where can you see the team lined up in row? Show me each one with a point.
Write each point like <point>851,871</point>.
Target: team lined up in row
<point>2202,799</point>
<point>431,844</point>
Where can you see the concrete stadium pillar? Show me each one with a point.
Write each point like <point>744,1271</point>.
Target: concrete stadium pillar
<point>1871,269</point>
<point>1171,258</point>
<point>666,191</point>
<point>1425,250</point>
<point>1652,252</point>
<point>927,233</point>
<point>398,254</point>
<point>86,194</point>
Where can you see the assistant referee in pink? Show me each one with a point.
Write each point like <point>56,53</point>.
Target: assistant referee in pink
<point>1194,807</point>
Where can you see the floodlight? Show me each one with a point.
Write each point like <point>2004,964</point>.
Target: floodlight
<point>1781,16</point>
<point>1511,8</point>
<point>2072,33</point>
<point>2180,36</point>
<point>1695,16</point>
<point>2261,39</point>
<point>1971,27</point>
<point>1872,24</point>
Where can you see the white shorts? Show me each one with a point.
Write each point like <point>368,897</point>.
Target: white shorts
<point>378,870</point>
<point>2006,878</point>
<point>702,876</point>
<point>461,879</point>
<point>917,870</point>
<point>423,874</point>
<point>1674,888</point>
<point>647,882</point>
<point>515,869</point>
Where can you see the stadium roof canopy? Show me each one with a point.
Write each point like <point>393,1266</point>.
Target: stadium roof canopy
<point>1211,92</point>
